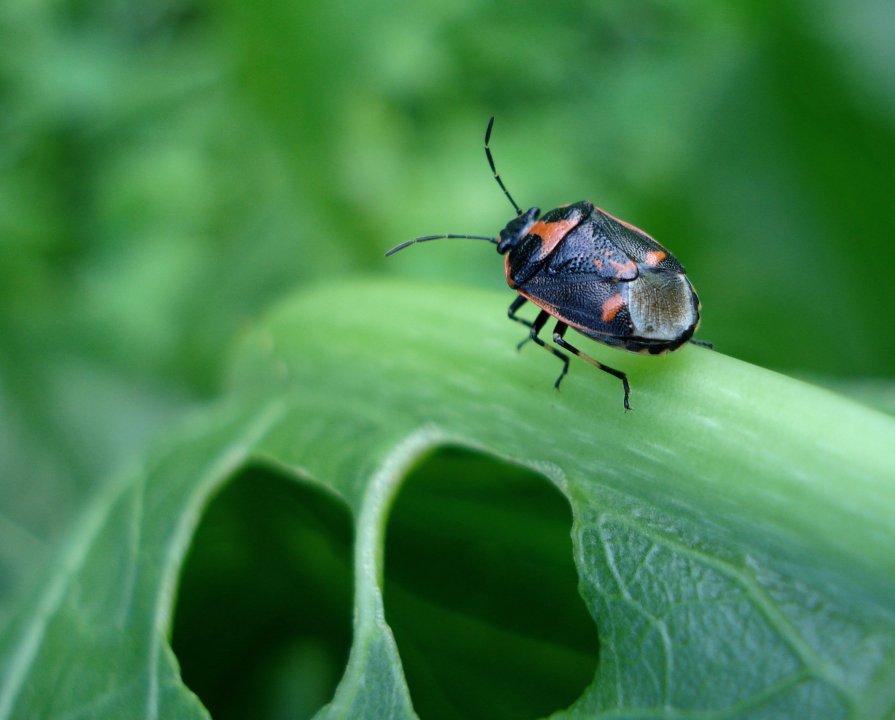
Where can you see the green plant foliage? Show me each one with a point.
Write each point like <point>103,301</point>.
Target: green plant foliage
<point>732,536</point>
<point>170,169</point>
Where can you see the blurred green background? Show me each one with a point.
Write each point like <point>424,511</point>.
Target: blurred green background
<point>171,168</point>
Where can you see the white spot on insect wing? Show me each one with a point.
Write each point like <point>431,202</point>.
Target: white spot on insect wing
<point>660,304</point>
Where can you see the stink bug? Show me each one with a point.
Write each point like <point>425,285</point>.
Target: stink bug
<point>595,273</point>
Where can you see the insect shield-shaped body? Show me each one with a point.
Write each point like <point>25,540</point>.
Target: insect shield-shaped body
<point>601,276</point>
<point>595,273</point>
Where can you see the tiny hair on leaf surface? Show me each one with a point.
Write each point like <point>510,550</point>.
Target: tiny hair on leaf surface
<point>732,537</point>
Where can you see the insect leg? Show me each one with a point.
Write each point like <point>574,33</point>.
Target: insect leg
<point>536,327</point>
<point>702,343</point>
<point>511,313</point>
<point>560,330</point>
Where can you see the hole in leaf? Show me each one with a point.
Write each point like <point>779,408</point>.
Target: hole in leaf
<point>263,620</point>
<point>481,591</point>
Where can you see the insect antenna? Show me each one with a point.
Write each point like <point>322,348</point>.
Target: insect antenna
<point>427,238</point>
<point>494,169</point>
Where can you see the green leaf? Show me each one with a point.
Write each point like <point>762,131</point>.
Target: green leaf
<point>733,536</point>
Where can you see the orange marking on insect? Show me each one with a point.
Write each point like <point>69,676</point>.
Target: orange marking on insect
<point>610,307</point>
<point>598,263</point>
<point>552,232</point>
<point>654,257</point>
<point>624,268</point>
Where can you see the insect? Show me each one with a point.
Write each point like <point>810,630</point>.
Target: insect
<point>592,272</point>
